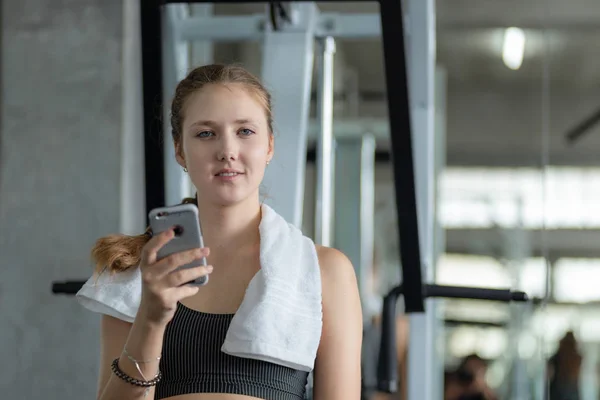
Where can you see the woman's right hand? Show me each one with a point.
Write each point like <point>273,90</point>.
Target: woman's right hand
<point>162,285</point>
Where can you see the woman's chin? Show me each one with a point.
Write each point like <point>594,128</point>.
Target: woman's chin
<point>230,199</point>
<point>225,196</point>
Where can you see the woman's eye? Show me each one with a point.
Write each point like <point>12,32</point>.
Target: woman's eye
<point>246,132</point>
<point>204,134</point>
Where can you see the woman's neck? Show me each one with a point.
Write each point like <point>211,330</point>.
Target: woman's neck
<point>230,227</point>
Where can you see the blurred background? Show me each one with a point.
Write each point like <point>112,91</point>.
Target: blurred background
<point>517,184</point>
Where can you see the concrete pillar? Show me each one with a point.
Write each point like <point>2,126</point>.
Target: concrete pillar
<point>60,188</point>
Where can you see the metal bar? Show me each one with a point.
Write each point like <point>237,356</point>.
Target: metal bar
<point>67,287</point>
<point>367,210</point>
<point>354,203</point>
<point>392,29</point>
<point>175,63</point>
<point>324,195</point>
<point>349,26</point>
<point>380,157</point>
<point>424,374</point>
<point>353,127</point>
<point>461,292</point>
<point>456,292</point>
<point>439,232</point>
<point>202,51</point>
<point>387,365</point>
<point>480,324</point>
<point>222,28</point>
<point>252,27</point>
<point>152,75</point>
<point>583,127</point>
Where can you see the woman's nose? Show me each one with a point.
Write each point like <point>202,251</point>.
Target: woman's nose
<point>228,150</point>
<point>227,156</point>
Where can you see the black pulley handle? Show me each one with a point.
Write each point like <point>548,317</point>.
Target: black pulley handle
<point>387,366</point>
<point>67,287</point>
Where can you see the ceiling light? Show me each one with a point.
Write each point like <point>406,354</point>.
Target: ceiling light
<point>513,48</point>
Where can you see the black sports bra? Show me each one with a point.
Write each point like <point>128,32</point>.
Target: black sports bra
<point>192,362</point>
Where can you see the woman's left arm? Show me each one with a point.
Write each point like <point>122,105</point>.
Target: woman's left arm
<point>337,372</point>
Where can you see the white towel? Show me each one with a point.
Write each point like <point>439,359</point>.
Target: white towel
<point>280,318</point>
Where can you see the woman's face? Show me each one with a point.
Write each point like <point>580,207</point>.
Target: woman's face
<point>226,143</point>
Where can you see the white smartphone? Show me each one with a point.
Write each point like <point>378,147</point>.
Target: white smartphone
<point>188,235</point>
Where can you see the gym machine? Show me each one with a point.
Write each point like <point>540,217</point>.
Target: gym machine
<point>387,368</point>
<point>288,32</point>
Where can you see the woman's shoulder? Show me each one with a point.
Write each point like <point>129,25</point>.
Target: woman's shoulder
<point>336,267</point>
<point>330,256</point>
<point>340,298</point>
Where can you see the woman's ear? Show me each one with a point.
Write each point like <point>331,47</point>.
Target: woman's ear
<point>179,156</point>
<point>271,150</point>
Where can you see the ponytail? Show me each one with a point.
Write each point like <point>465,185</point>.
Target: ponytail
<point>118,253</point>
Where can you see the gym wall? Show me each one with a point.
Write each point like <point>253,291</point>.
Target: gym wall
<point>60,186</point>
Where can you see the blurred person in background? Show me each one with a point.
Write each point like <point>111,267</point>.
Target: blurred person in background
<point>468,382</point>
<point>564,370</point>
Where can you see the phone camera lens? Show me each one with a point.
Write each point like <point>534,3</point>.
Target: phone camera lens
<point>178,230</point>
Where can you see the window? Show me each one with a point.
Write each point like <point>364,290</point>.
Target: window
<point>576,280</point>
<point>478,271</point>
<point>513,197</point>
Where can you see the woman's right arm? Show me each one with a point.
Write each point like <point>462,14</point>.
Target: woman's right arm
<point>163,286</point>
<point>143,341</point>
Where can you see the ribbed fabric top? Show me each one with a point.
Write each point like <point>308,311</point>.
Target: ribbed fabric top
<point>192,362</point>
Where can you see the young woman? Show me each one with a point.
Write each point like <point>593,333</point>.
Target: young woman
<point>222,129</point>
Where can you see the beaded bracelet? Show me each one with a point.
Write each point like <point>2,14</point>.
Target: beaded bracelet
<point>133,381</point>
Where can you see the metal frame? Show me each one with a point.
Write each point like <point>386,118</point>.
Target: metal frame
<point>152,78</point>
<point>325,145</point>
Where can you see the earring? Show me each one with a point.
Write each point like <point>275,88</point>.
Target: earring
<point>185,169</point>
<point>268,162</point>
